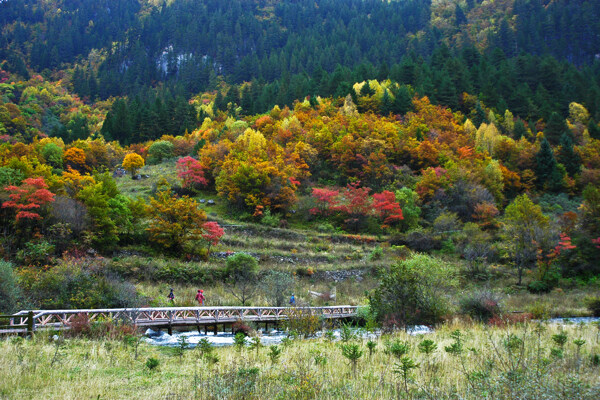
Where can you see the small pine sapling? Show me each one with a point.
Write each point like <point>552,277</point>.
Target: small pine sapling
<point>152,363</point>
<point>404,369</point>
<point>274,354</point>
<point>239,341</point>
<point>346,333</point>
<point>255,344</point>
<point>372,346</point>
<point>352,352</point>
<point>182,344</point>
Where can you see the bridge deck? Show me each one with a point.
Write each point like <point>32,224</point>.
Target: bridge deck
<point>171,316</point>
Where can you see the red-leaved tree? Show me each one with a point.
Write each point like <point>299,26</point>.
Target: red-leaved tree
<point>212,234</point>
<point>387,207</point>
<point>28,199</point>
<point>191,173</point>
<point>326,200</point>
<point>355,204</point>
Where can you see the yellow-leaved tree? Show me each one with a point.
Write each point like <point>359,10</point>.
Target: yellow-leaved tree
<point>175,222</point>
<point>132,162</point>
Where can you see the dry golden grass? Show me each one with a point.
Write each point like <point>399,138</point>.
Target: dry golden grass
<point>349,292</point>
<point>311,369</point>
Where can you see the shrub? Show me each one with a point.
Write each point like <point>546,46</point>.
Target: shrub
<point>152,363</point>
<point>593,305</point>
<point>160,151</point>
<point>509,319</point>
<point>242,273</point>
<point>35,253</point>
<point>77,283</point>
<point>538,287</point>
<point>10,292</point>
<point>421,241</point>
<point>481,305</point>
<point>325,227</point>
<point>269,219</point>
<point>413,291</point>
<point>376,254</point>
<point>305,271</point>
<point>240,326</point>
<point>540,310</point>
<point>302,322</point>
<point>79,325</point>
<point>239,341</point>
<point>276,285</point>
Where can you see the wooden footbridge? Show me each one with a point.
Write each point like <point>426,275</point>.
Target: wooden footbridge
<point>166,317</point>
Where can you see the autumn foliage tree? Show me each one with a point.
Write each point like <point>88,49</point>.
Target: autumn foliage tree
<point>387,207</point>
<point>354,205</point>
<point>523,228</point>
<point>326,200</point>
<point>28,199</point>
<point>75,158</point>
<point>175,221</point>
<point>212,234</point>
<point>191,173</point>
<point>259,173</point>
<point>132,162</point>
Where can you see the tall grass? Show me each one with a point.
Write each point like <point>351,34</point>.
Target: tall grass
<point>519,362</point>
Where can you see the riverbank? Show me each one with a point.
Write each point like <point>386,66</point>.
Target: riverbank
<point>520,361</point>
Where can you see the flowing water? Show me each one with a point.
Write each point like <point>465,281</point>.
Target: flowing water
<point>161,338</point>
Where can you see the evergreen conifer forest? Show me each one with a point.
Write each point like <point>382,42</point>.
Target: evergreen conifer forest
<point>434,162</point>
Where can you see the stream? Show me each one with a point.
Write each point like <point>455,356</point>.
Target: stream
<point>162,338</point>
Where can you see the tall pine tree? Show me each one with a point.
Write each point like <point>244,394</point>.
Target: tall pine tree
<point>548,175</point>
<point>567,155</point>
<point>555,127</point>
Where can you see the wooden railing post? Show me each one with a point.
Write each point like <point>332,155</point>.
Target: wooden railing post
<point>30,324</point>
<point>170,328</point>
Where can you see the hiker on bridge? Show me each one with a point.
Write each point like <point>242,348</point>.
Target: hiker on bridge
<point>200,297</point>
<point>171,296</point>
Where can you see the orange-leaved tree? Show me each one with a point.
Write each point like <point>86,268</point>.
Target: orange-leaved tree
<point>75,158</point>
<point>132,162</point>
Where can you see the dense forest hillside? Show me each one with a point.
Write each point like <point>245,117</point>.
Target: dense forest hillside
<point>340,137</point>
<point>289,50</point>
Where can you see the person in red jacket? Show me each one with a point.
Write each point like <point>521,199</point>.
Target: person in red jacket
<point>200,297</point>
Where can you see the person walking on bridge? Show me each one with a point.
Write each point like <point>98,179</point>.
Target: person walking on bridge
<point>200,297</point>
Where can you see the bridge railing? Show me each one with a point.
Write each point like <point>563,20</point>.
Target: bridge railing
<point>174,315</point>
<point>24,321</point>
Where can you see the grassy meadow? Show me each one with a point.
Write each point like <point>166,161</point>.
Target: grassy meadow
<point>457,361</point>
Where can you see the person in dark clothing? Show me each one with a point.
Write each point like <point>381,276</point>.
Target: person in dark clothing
<point>171,296</point>
<point>292,300</point>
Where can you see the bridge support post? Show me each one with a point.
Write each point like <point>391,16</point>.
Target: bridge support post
<point>216,329</point>
<point>206,329</point>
